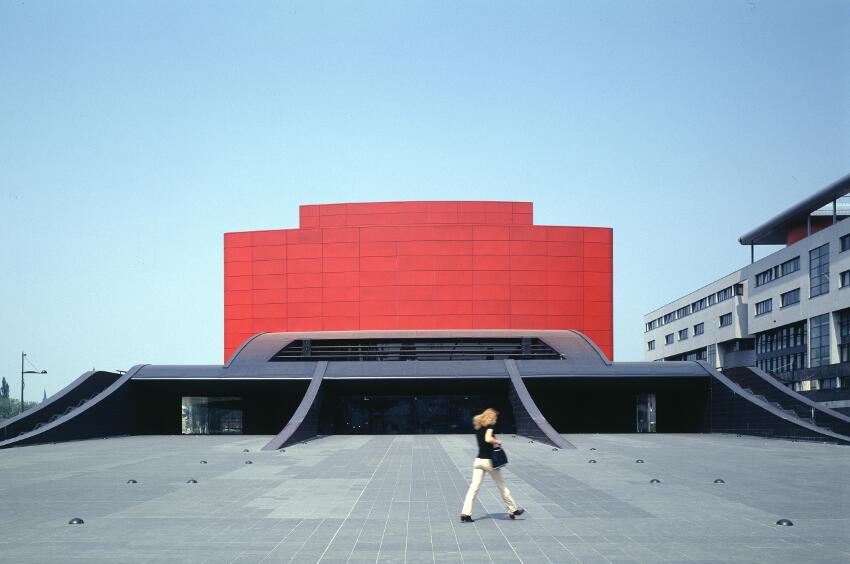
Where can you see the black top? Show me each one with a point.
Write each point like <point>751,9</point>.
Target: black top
<point>485,449</point>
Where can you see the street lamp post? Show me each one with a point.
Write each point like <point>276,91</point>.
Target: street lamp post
<point>23,356</point>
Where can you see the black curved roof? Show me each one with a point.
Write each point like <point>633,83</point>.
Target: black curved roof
<point>775,230</point>
<point>581,358</point>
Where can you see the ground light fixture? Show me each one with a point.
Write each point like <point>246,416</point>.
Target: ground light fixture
<point>23,359</point>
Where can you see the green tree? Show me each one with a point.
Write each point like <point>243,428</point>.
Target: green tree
<point>9,407</point>
<point>4,389</point>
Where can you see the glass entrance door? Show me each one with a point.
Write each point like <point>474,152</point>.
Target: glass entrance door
<point>645,413</point>
<point>376,415</point>
<point>211,416</point>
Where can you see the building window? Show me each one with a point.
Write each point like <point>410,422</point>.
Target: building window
<point>789,266</point>
<point>802,386</point>
<point>843,334</point>
<point>819,271</point>
<point>845,278</point>
<point>683,334</point>
<point>668,339</point>
<point>724,294</point>
<point>711,356</point>
<point>725,319</point>
<point>699,328</point>
<point>828,383</point>
<point>669,318</point>
<point>820,340</point>
<point>789,298</point>
<point>699,305</point>
<point>845,243</point>
<point>211,415</point>
<point>782,349</point>
<point>651,325</point>
<point>764,277</point>
<point>738,289</point>
<point>650,346</point>
<point>764,307</point>
<point>787,337</point>
<point>778,271</point>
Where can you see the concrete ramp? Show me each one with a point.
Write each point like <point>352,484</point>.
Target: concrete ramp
<point>530,422</point>
<point>739,409</point>
<point>304,422</point>
<point>95,405</point>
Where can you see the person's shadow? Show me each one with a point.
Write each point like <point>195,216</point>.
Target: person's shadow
<point>499,517</point>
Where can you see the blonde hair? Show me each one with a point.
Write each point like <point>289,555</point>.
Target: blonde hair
<point>485,418</point>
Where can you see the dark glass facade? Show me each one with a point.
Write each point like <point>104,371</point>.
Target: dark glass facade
<point>819,271</point>
<point>405,415</point>
<point>211,416</point>
<point>820,340</point>
<point>782,349</point>
<point>843,318</point>
<point>377,407</point>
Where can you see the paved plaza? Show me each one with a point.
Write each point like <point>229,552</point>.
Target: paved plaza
<point>397,499</point>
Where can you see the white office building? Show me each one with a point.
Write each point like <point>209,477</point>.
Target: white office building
<point>787,313</point>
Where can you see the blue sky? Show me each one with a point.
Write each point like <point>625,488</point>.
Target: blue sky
<point>135,133</point>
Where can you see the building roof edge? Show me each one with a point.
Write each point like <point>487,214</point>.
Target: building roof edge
<point>766,233</point>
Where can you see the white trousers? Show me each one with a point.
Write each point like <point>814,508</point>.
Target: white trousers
<point>479,467</point>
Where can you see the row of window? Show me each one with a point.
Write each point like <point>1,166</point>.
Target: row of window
<point>786,337</point>
<point>699,329</point>
<point>778,271</point>
<point>793,339</point>
<point>818,268</point>
<point>785,299</point>
<point>699,354</point>
<point>783,363</point>
<point>818,277</point>
<point>699,305</point>
<point>821,384</point>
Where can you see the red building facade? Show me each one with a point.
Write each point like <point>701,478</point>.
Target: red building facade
<point>418,265</point>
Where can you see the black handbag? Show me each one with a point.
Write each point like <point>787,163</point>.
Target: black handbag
<point>499,457</point>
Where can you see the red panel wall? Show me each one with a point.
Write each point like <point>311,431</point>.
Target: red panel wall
<point>418,265</point>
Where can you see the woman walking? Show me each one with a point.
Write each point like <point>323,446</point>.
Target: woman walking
<point>484,424</point>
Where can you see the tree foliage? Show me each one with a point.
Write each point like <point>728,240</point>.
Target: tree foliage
<point>9,407</point>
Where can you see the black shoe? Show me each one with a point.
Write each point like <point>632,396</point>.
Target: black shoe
<point>515,513</point>
<point>466,519</point>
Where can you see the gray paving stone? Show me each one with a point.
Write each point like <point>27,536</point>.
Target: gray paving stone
<point>397,499</point>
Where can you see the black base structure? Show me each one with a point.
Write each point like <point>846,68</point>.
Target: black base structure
<point>545,384</point>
